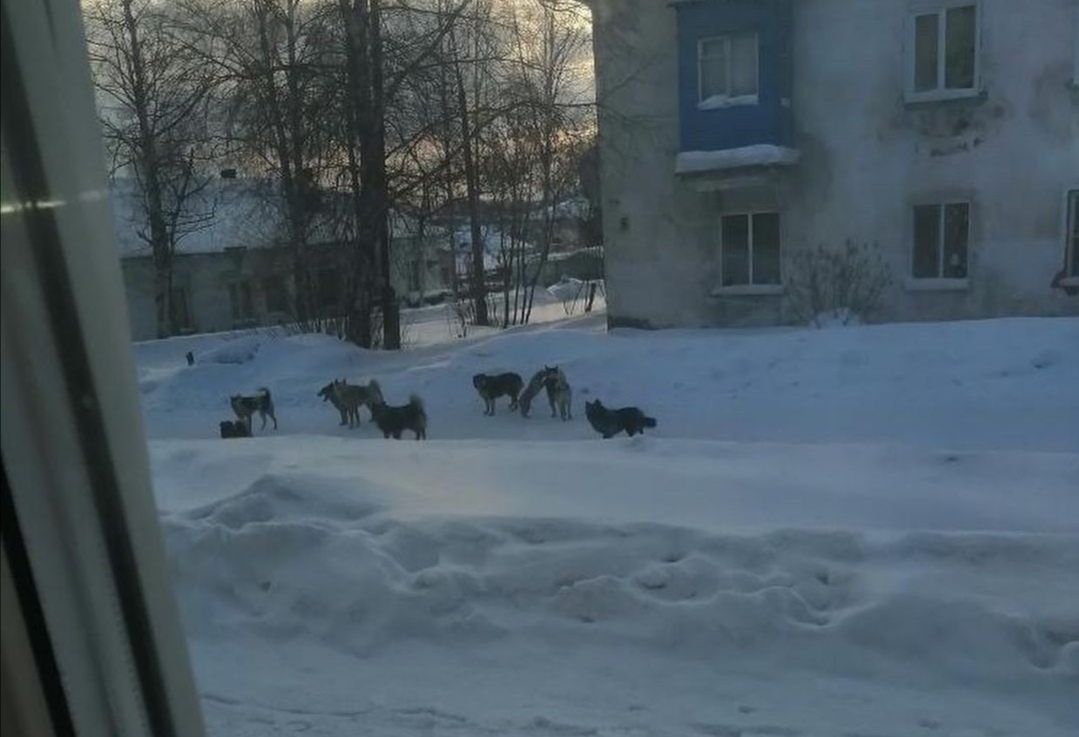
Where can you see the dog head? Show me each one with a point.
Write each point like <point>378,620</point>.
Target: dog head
<point>479,380</point>
<point>593,407</point>
<point>326,392</point>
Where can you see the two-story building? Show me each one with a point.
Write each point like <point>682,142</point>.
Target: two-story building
<point>734,133</point>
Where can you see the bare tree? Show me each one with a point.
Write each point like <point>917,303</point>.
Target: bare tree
<point>154,97</point>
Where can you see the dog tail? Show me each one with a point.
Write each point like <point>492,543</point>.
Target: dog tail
<point>416,403</point>
<point>648,421</point>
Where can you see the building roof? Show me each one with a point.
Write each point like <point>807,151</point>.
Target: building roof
<point>228,213</point>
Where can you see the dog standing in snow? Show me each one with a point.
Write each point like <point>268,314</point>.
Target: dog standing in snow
<point>559,393</point>
<point>246,407</point>
<point>535,386</point>
<point>610,422</point>
<point>392,421</point>
<point>494,386</point>
<point>351,397</point>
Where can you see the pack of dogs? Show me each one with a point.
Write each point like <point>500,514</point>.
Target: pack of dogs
<point>392,421</point>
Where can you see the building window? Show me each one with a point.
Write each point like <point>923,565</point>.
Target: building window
<point>328,287</point>
<point>1071,235</point>
<point>415,275</point>
<point>240,301</point>
<point>945,53</point>
<point>276,294</point>
<point>749,249</point>
<point>941,241</point>
<point>181,314</point>
<point>727,70</point>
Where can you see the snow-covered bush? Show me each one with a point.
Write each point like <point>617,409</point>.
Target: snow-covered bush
<point>836,286</point>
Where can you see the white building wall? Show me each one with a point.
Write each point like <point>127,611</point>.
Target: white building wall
<point>866,156</point>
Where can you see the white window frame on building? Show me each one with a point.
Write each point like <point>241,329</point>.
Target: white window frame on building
<point>181,299</point>
<point>1071,236</point>
<point>241,302</point>
<point>940,90</point>
<point>751,286</point>
<point>725,98</point>
<point>276,294</point>
<point>939,281</point>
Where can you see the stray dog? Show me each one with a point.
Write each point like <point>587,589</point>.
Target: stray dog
<point>351,397</point>
<point>535,384</point>
<point>246,407</point>
<point>230,429</point>
<point>559,393</point>
<point>610,422</point>
<point>394,420</point>
<point>493,387</point>
<point>328,395</point>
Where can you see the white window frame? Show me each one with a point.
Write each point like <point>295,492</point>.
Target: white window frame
<point>940,9</point>
<point>728,100</point>
<point>939,283</point>
<point>1075,40</point>
<point>1068,217</point>
<point>750,288</point>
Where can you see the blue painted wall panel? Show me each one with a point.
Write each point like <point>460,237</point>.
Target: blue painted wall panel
<point>770,121</point>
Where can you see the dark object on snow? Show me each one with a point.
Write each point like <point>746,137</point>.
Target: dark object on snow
<point>190,358</point>
<point>235,429</point>
<point>610,422</point>
<point>492,387</point>
<point>394,420</point>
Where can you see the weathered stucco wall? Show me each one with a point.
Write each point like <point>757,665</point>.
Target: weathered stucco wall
<point>866,157</point>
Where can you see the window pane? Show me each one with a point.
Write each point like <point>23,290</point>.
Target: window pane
<point>960,47</point>
<point>179,308</point>
<point>925,52</point>
<point>713,69</point>
<point>766,248</point>
<point>744,64</point>
<point>327,287</point>
<point>926,242</point>
<point>956,237</point>
<point>245,293</point>
<point>1073,218</point>
<point>276,296</point>
<point>735,255</point>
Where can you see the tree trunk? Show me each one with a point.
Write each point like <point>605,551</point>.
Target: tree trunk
<point>479,285</point>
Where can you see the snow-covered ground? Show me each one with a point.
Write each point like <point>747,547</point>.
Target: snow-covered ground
<point>864,531</point>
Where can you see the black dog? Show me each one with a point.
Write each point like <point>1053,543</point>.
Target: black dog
<point>492,387</point>
<point>610,422</point>
<point>394,420</point>
<point>236,429</point>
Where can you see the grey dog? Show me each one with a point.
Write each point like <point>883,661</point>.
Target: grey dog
<point>246,407</point>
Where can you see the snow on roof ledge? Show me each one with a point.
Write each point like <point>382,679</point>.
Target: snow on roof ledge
<point>762,154</point>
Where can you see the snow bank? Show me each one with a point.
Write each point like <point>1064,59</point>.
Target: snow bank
<point>762,154</point>
<point>237,350</point>
<point>284,561</point>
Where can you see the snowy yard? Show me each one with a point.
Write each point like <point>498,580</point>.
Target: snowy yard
<point>867,532</point>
